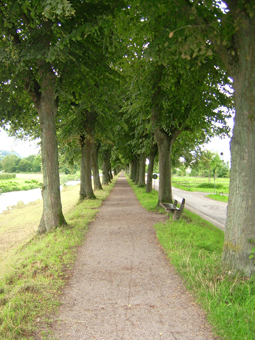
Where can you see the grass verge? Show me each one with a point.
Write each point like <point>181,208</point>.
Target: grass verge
<point>194,247</point>
<point>31,278</point>
<point>18,185</point>
<point>218,197</point>
<point>201,184</point>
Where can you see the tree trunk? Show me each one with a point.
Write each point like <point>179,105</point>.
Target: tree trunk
<point>110,171</point>
<point>134,169</point>
<point>150,169</point>
<point>96,177</point>
<point>131,170</point>
<point>137,172</point>
<point>164,148</point>
<point>86,190</point>
<point>106,166</point>
<point>141,170</point>
<point>52,215</point>
<point>240,226</point>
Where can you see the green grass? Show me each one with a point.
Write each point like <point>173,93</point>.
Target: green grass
<point>148,204</point>
<point>218,197</point>
<point>198,180</point>
<point>32,276</point>
<point>18,185</point>
<point>201,184</point>
<point>7,176</point>
<point>27,181</point>
<point>194,247</point>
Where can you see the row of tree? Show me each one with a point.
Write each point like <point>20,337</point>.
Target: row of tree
<point>204,163</point>
<point>132,79</point>
<point>12,163</point>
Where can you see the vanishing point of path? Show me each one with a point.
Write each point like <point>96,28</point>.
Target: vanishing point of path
<point>122,285</point>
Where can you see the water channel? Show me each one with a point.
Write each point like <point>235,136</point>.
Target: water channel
<point>9,199</point>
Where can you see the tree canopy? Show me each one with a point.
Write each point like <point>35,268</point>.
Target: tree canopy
<point>130,76</point>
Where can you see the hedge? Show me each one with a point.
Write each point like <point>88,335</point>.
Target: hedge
<point>7,176</point>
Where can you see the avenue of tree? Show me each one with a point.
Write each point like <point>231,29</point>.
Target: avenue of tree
<point>121,82</point>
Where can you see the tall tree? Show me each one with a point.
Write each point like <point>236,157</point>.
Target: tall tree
<point>28,39</point>
<point>228,30</point>
<point>202,29</point>
<point>162,87</point>
<point>40,46</point>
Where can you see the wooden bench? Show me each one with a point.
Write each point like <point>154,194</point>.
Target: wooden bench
<point>173,208</point>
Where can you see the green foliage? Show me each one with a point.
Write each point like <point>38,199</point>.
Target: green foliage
<point>9,163</point>
<point>205,162</point>
<point>7,176</point>
<point>252,253</point>
<point>218,197</point>
<point>210,186</point>
<point>8,186</point>
<point>25,166</point>
<point>37,163</point>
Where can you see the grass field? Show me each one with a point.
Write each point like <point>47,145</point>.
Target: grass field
<point>27,176</point>
<point>194,247</point>
<point>203,185</point>
<point>218,197</point>
<point>33,268</point>
<point>199,179</point>
<point>27,181</point>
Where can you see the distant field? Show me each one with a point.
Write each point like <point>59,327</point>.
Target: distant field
<point>23,181</point>
<point>201,184</point>
<point>29,176</point>
<point>199,179</point>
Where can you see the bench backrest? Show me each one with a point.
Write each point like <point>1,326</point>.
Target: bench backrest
<point>178,199</point>
<point>181,202</point>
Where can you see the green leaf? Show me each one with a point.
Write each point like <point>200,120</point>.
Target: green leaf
<point>251,256</point>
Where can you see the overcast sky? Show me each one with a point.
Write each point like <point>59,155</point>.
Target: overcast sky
<point>220,146</point>
<point>24,149</point>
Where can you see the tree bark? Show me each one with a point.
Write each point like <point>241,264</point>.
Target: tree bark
<point>141,170</point>
<point>96,177</point>
<point>137,172</point>
<point>46,105</point>
<point>164,148</point>
<point>86,190</point>
<point>110,171</point>
<point>106,166</point>
<point>240,226</point>
<point>133,171</point>
<point>150,169</point>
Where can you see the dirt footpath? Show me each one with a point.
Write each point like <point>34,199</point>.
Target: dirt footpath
<point>122,286</point>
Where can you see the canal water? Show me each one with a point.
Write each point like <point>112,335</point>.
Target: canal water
<point>9,199</point>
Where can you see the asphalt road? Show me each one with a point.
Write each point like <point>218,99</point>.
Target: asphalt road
<point>197,202</point>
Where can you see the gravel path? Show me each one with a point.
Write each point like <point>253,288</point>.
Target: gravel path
<point>122,286</point>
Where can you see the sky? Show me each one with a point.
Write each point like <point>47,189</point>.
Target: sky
<point>23,148</point>
<point>220,146</point>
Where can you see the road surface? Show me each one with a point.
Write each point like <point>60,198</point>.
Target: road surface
<point>197,202</point>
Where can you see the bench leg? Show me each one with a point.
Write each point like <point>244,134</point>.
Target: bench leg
<point>176,215</point>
